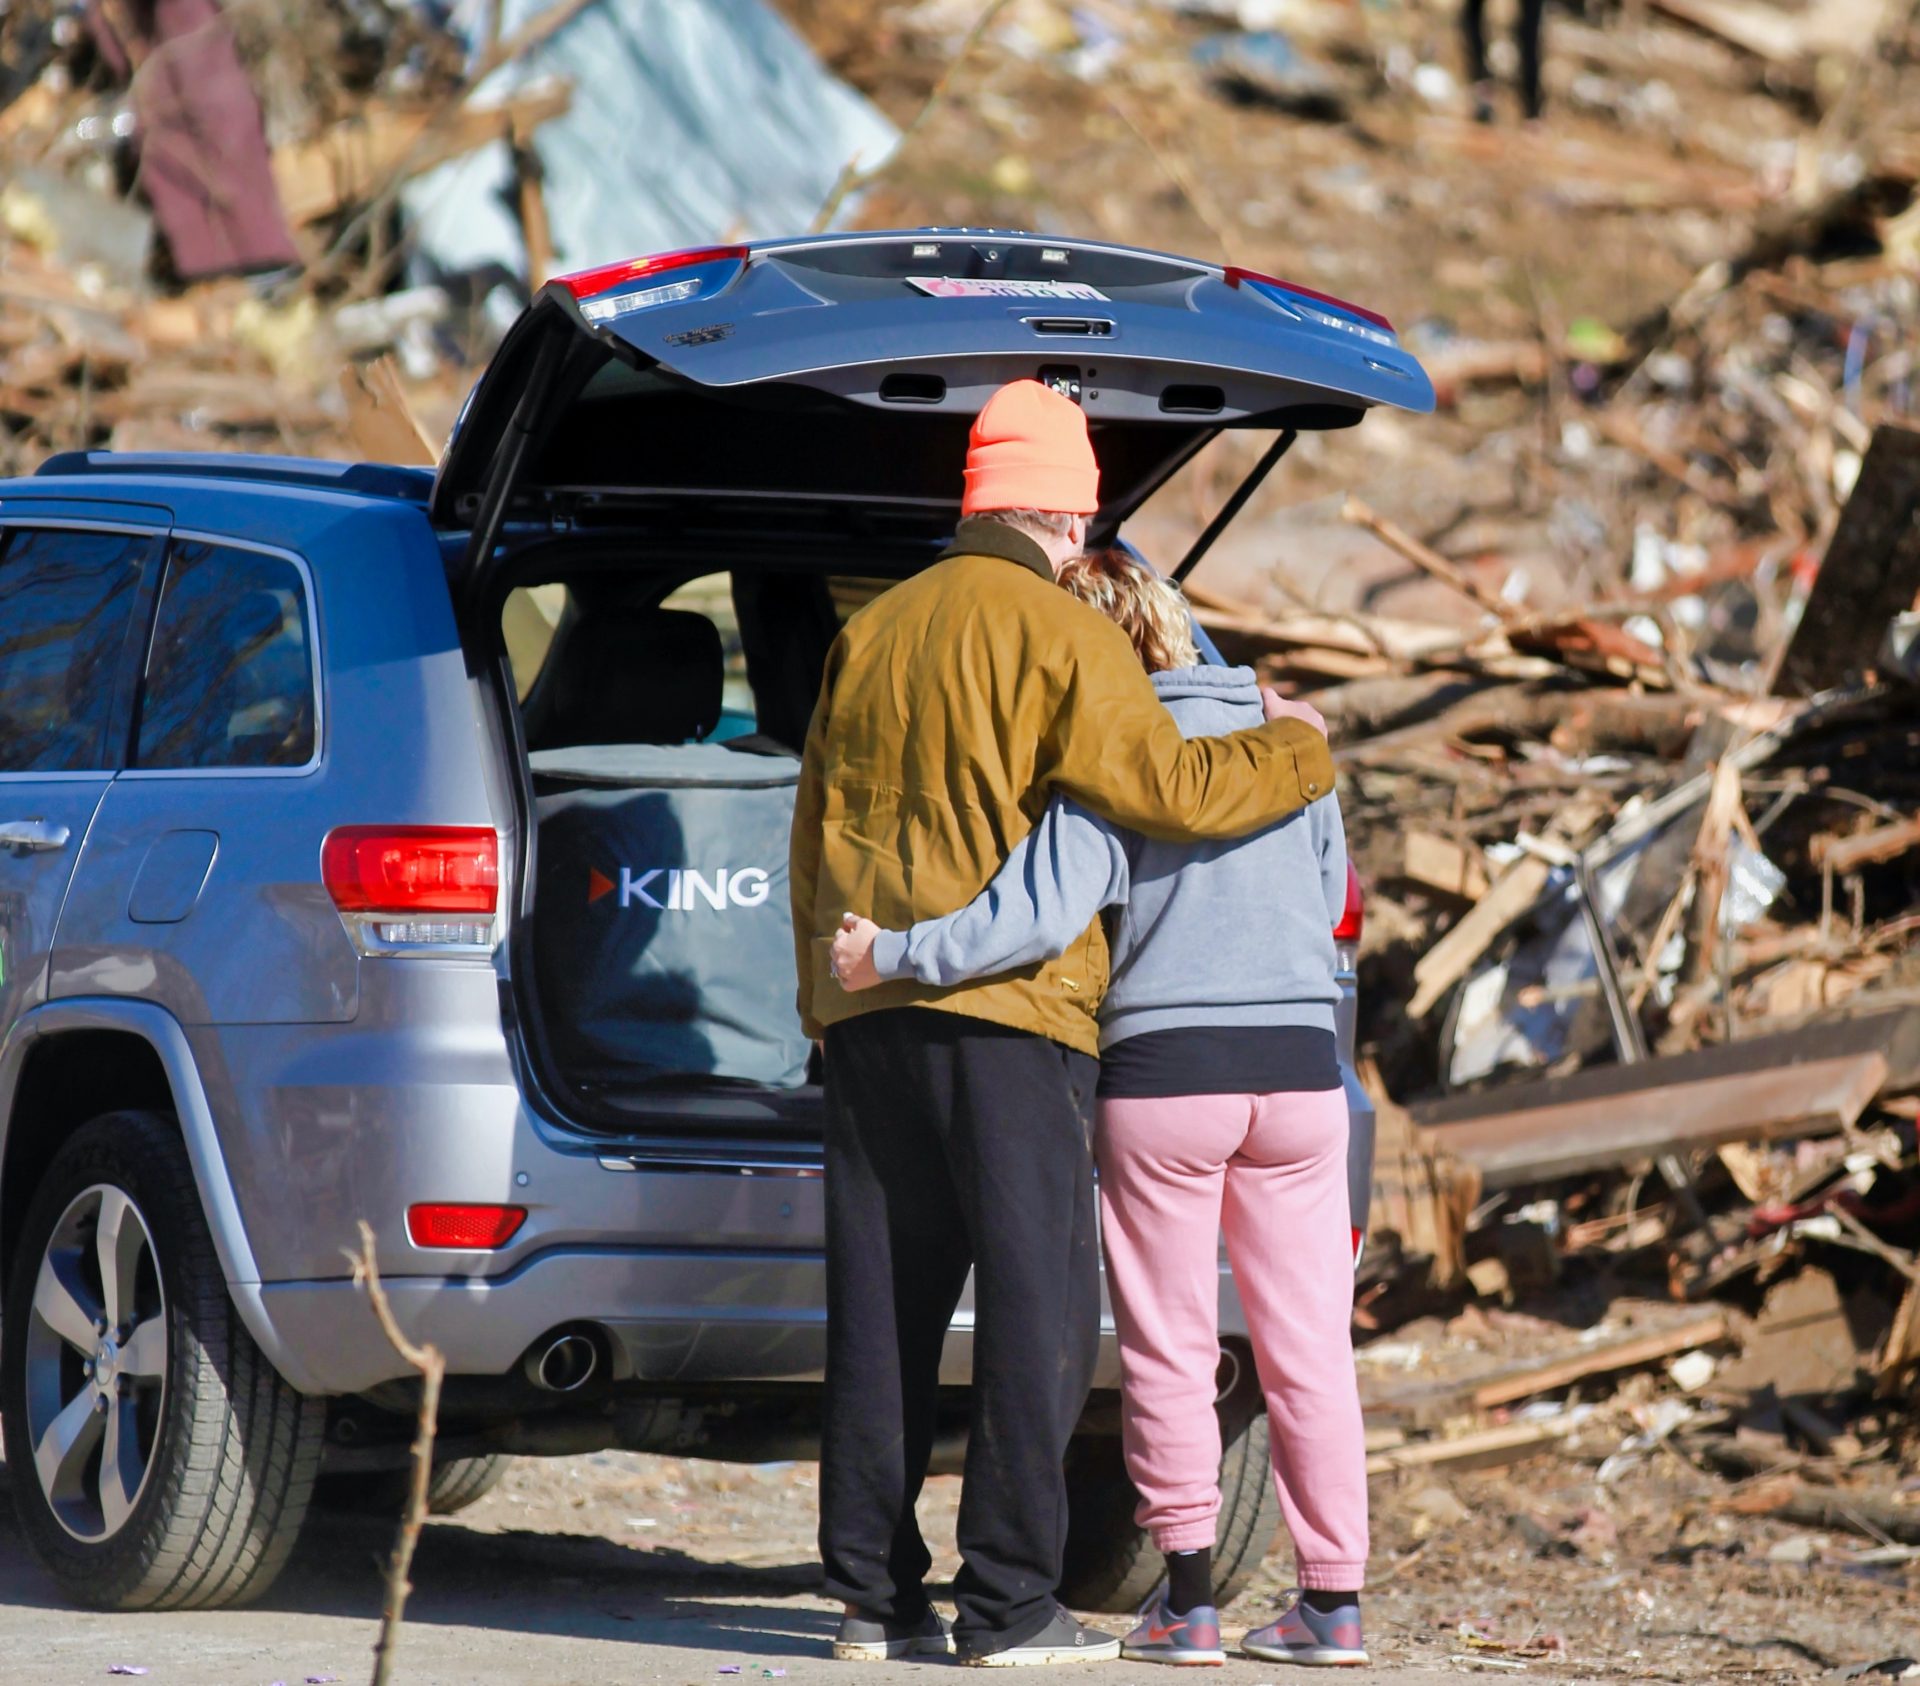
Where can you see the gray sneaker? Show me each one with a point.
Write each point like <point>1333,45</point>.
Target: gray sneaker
<point>1065,1639</point>
<point>1316,1638</point>
<point>864,1639</point>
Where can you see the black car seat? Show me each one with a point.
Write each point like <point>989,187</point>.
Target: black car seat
<point>637,676</point>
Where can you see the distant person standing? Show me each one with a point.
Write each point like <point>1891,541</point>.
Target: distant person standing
<point>1526,41</point>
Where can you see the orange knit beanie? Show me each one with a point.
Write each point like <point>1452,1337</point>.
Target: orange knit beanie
<point>1029,450</point>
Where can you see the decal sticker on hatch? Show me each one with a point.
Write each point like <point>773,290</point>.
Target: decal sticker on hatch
<point>969,287</point>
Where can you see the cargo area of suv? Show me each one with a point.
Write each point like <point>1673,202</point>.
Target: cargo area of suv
<point>679,476</point>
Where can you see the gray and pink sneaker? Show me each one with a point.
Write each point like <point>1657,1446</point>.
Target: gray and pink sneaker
<point>1315,1638</point>
<point>1189,1641</point>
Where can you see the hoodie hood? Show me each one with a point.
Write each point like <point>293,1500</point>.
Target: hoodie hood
<point>1206,701</point>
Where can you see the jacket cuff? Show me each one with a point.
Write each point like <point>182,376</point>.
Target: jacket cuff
<point>1313,762</point>
<point>890,955</point>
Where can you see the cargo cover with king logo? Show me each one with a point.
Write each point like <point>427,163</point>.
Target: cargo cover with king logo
<point>664,911</point>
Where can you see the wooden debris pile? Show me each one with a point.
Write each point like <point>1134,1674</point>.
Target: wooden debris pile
<point>111,337</point>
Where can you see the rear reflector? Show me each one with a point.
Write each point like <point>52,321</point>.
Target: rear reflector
<point>410,870</point>
<point>585,283</point>
<point>468,1227</point>
<point>1353,917</point>
<point>1238,277</point>
<point>1356,1243</point>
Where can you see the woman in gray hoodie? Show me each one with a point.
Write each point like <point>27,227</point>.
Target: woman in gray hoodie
<point>1220,1111</point>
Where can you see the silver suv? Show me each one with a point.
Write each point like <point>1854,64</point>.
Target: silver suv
<point>278,747</point>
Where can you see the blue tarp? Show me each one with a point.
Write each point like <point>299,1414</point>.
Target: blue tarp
<point>692,121</point>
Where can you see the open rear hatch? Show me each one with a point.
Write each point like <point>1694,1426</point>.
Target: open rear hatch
<point>822,388</point>
<point>807,402</point>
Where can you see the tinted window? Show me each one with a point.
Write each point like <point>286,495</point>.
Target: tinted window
<point>65,603</point>
<point>230,678</point>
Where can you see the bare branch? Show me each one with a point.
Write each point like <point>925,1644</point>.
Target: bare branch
<point>433,1368</point>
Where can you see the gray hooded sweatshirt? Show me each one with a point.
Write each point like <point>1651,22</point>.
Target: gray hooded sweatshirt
<point>1234,933</point>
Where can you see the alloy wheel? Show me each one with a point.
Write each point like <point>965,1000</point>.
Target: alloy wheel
<point>96,1363</point>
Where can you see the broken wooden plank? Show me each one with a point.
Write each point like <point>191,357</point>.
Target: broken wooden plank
<point>379,419</point>
<point>1628,1353</point>
<point>1443,865</point>
<point>1491,1448</point>
<point>1817,1096</point>
<point>1444,964</point>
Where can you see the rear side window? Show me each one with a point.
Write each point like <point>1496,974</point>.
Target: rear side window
<point>230,675</point>
<point>66,604</point>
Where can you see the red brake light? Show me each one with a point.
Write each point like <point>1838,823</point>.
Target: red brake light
<point>1354,915</point>
<point>585,283</point>
<point>470,1227</point>
<point>1236,275</point>
<point>412,868</point>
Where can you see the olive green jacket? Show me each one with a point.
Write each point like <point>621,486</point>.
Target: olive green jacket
<point>953,707</point>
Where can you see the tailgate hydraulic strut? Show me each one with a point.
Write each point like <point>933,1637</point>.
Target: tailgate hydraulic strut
<point>1236,503</point>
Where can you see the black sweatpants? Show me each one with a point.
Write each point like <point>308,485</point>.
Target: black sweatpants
<point>952,1142</point>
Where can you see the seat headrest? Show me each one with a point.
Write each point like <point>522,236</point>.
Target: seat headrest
<point>639,676</point>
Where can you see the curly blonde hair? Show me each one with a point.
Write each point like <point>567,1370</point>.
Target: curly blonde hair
<point>1148,609</point>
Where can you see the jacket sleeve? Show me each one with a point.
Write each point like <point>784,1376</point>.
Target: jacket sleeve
<point>1112,745</point>
<point>1330,843</point>
<point>1046,893</point>
<point>803,853</point>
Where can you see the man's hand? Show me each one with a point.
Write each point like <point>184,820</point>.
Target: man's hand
<point>1285,708</point>
<point>853,953</point>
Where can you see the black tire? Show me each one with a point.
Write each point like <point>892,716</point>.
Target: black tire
<point>1111,1563</point>
<point>456,1484</point>
<point>231,1451</point>
<point>460,1482</point>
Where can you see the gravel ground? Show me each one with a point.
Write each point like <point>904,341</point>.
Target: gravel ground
<point>622,1568</point>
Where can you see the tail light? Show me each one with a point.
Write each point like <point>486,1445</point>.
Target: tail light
<point>415,889</point>
<point>468,1227</point>
<point>1346,934</point>
<point>620,289</point>
<point>1323,308</point>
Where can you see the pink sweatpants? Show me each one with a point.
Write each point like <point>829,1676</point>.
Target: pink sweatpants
<point>1271,1172</point>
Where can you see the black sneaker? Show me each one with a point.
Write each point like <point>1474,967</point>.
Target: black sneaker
<point>863,1639</point>
<point>1065,1639</point>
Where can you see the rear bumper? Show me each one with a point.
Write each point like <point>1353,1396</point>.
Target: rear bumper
<point>669,1317</point>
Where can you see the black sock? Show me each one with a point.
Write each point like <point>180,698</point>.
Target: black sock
<point>1189,1580</point>
<point>1324,1603</point>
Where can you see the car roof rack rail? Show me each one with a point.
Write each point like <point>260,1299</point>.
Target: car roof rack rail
<point>368,479</point>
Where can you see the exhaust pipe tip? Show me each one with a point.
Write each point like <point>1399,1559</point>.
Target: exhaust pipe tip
<point>562,1363</point>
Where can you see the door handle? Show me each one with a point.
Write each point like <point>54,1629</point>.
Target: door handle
<point>32,836</point>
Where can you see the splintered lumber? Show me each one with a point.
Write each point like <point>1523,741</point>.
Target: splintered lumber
<point>1627,1353</point>
<point>1512,894</point>
<point>1491,1448</point>
<point>1449,960</point>
<point>1444,865</point>
<point>1659,1116</point>
<point>379,418</point>
<point>1871,571</point>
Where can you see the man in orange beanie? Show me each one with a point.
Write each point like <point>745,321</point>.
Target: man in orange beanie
<point>959,1119</point>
